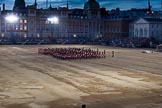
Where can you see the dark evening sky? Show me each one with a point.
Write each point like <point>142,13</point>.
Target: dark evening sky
<point>109,4</point>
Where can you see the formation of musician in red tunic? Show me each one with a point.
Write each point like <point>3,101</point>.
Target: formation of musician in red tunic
<point>72,53</point>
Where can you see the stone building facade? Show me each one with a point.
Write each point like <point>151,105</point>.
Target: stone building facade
<point>148,28</point>
<point>87,24</point>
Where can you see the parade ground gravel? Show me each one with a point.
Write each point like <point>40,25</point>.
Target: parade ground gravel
<point>131,79</point>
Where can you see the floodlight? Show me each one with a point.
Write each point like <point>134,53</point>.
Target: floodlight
<point>53,20</point>
<point>11,18</point>
<point>75,35</point>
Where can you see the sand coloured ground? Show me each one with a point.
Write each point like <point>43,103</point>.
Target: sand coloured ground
<point>131,79</point>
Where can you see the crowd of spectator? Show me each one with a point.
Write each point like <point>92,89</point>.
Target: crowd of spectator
<point>110,41</point>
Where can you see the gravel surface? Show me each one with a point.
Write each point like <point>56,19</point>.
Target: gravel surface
<point>131,79</point>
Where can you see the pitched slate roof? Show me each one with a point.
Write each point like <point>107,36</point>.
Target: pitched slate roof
<point>153,19</point>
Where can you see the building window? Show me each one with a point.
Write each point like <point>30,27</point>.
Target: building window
<point>2,34</point>
<point>152,26</point>
<point>136,32</point>
<point>145,32</point>
<point>25,21</point>
<point>25,35</point>
<point>21,27</point>
<point>152,33</point>
<point>157,33</point>
<point>21,21</point>
<point>38,35</point>
<point>47,22</point>
<point>17,27</point>
<point>141,32</point>
<point>25,27</point>
<point>32,12</point>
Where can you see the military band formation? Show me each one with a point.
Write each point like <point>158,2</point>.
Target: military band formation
<point>72,53</point>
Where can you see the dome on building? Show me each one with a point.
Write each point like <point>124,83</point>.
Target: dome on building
<point>91,4</point>
<point>19,4</point>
